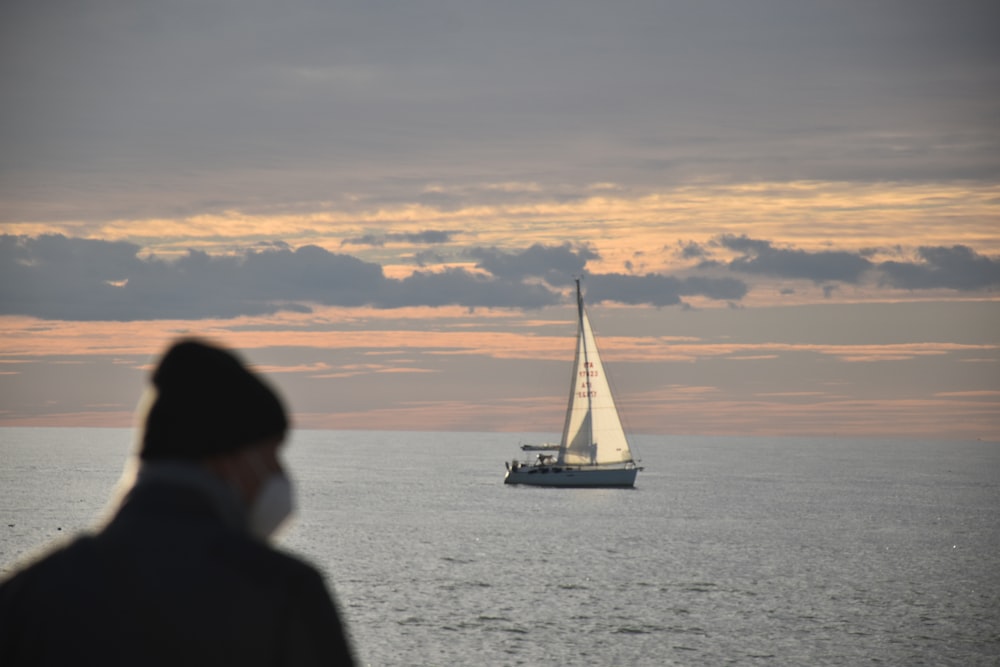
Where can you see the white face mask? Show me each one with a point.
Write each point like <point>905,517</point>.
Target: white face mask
<point>272,506</point>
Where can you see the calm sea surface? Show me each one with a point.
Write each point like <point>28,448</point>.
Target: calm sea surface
<point>793,551</point>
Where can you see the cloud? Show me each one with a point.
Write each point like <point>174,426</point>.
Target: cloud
<point>957,267</point>
<point>556,264</point>
<point>56,277</point>
<point>428,236</point>
<point>659,290</point>
<point>463,288</point>
<point>426,257</point>
<point>61,278</point>
<point>761,257</point>
<point>692,250</point>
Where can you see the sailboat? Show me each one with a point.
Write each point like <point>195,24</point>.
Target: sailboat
<point>593,451</point>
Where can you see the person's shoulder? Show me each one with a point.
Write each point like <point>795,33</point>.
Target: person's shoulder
<point>55,556</point>
<point>294,567</point>
<point>49,568</point>
<point>262,559</point>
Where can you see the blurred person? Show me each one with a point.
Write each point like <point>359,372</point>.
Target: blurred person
<point>183,573</point>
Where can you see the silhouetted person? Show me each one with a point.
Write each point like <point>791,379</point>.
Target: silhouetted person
<point>183,573</point>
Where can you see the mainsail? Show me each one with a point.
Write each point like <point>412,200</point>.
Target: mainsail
<point>593,432</point>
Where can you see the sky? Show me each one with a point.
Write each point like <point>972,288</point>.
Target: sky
<point>786,215</point>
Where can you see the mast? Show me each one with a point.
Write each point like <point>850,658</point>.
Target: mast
<point>577,444</point>
<point>586,363</point>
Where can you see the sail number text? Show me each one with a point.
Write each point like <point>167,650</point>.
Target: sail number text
<point>587,371</point>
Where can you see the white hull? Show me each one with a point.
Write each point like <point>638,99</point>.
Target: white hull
<point>574,476</point>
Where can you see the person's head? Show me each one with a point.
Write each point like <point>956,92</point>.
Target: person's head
<point>208,408</point>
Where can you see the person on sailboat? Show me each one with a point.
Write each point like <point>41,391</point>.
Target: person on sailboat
<point>183,573</point>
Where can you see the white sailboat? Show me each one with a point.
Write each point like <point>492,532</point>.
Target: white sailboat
<point>593,451</point>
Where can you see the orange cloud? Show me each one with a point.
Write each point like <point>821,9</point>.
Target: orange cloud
<point>808,214</point>
<point>26,337</point>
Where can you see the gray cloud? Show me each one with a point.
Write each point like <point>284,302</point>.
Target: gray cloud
<point>462,288</point>
<point>658,290</point>
<point>427,257</point>
<point>62,278</point>
<point>762,257</point>
<point>428,236</point>
<point>691,250</point>
<point>957,267</point>
<point>56,277</point>
<point>556,264</point>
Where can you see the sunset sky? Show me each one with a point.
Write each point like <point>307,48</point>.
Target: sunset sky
<point>786,214</point>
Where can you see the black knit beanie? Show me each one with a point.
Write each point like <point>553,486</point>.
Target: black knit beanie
<point>207,403</point>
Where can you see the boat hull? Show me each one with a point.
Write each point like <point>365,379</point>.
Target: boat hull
<point>581,477</point>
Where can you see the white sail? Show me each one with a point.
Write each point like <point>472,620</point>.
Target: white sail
<point>593,432</point>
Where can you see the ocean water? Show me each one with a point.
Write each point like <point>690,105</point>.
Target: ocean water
<point>790,551</point>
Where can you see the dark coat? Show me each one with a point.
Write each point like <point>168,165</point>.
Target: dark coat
<point>169,582</point>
